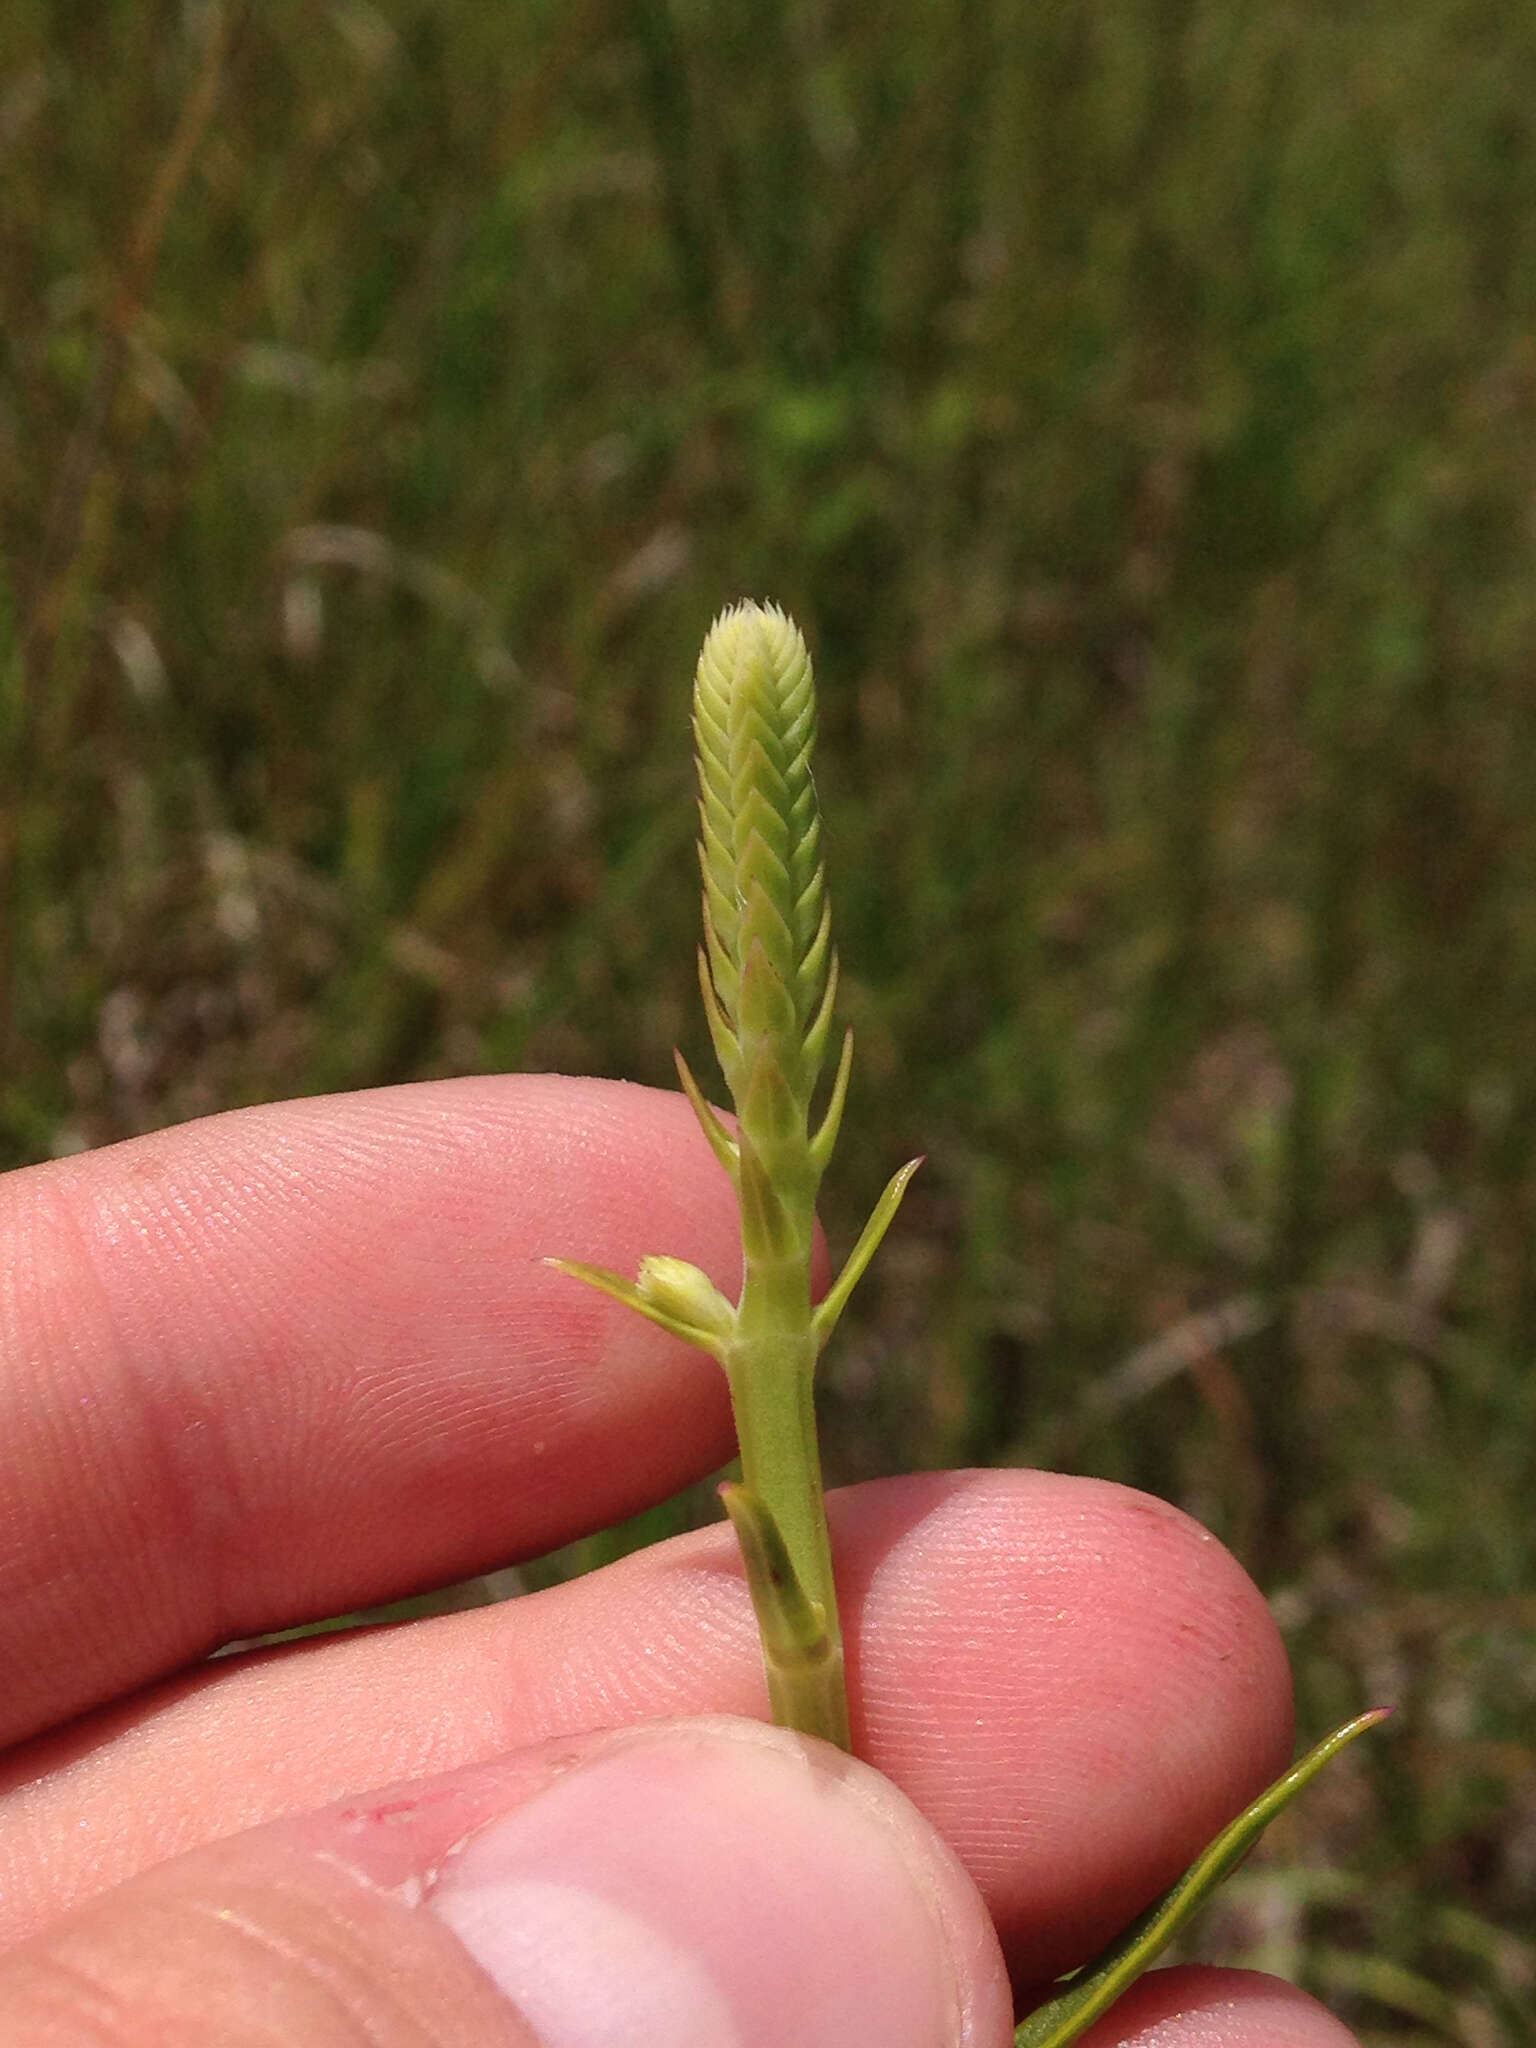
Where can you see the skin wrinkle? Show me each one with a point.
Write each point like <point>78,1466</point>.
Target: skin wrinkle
<point>259,1211</point>
<point>96,2004</point>
<point>272,1945</point>
<point>89,1466</point>
<point>266,1943</point>
<point>211,1473</point>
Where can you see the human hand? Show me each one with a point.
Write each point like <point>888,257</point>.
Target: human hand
<point>294,1361</point>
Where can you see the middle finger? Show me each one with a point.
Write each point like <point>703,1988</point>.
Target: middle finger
<point>1075,1683</point>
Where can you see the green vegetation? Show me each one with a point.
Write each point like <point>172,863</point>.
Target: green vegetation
<point>1136,404</point>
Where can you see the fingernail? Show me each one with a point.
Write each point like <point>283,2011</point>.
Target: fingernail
<point>715,1885</point>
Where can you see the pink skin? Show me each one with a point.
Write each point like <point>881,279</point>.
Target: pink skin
<point>294,1360</point>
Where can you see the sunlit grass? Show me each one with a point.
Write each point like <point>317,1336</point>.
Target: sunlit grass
<point>1138,408</point>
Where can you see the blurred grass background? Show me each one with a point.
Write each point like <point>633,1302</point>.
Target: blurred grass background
<point>1136,403</point>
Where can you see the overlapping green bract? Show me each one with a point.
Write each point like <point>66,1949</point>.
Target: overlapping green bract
<point>767,966</point>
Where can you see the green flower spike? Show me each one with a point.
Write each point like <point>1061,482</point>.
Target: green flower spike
<point>769,977</point>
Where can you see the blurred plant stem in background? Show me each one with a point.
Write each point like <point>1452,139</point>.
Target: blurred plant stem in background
<point>1137,406</point>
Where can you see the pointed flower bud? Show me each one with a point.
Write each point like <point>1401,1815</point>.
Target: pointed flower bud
<point>767,964</point>
<point>685,1295</point>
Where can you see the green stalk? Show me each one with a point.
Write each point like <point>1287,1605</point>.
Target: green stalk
<point>768,976</point>
<point>771,1366</point>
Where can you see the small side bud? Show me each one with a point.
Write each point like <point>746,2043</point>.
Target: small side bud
<point>685,1295</point>
<point>672,1294</point>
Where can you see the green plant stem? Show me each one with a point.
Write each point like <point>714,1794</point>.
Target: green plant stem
<point>771,1364</point>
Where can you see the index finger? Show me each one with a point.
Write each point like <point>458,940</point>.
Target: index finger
<point>289,1361</point>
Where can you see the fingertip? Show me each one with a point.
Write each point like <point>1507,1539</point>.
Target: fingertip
<point>1195,2007</point>
<point>1109,1691</point>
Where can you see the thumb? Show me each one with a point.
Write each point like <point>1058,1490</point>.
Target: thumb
<point>699,1884</point>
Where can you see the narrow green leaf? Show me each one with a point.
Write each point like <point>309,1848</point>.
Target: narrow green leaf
<point>811,972</point>
<point>821,1023</point>
<point>831,1123</point>
<point>835,1300</point>
<point>722,1036</point>
<point>1089,1994</point>
<point>721,1143</point>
